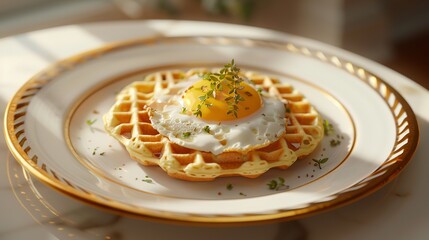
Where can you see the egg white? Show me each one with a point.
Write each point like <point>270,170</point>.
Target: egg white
<point>242,135</point>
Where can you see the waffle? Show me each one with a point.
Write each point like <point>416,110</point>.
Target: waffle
<point>129,122</point>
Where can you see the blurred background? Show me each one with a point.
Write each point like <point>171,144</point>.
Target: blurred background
<point>392,32</point>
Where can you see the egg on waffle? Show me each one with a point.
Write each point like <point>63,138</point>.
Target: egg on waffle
<point>198,125</point>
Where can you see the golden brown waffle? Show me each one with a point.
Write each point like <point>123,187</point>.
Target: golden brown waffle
<point>128,121</point>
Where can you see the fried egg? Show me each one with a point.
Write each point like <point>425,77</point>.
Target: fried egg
<point>214,125</point>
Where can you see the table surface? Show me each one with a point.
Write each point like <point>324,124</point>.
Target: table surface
<point>397,211</point>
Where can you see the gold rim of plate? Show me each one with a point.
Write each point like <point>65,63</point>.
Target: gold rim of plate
<point>407,135</point>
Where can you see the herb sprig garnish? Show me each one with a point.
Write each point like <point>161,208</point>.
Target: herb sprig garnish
<point>319,162</point>
<point>277,184</point>
<point>94,151</point>
<point>328,128</point>
<point>147,179</point>
<point>206,129</point>
<point>335,142</point>
<point>228,76</point>
<point>90,122</point>
<point>186,134</point>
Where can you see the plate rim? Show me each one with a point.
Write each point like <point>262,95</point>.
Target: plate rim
<point>386,172</point>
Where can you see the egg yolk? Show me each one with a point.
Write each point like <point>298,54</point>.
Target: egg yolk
<point>216,108</point>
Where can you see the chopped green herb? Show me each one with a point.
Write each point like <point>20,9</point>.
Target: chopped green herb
<point>198,112</point>
<point>327,127</point>
<point>102,153</point>
<point>206,129</point>
<point>229,186</point>
<point>183,110</point>
<point>259,91</point>
<point>147,180</point>
<point>272,184</point>
<point>242,194</point>
<point>319,162</point>
<point>94,151</point>
<point>277,184</point>
<point>335,142</point>
<point>90,122</point>
<point>186,134</point>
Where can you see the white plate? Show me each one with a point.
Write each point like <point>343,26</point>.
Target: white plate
<point>47,131</point>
